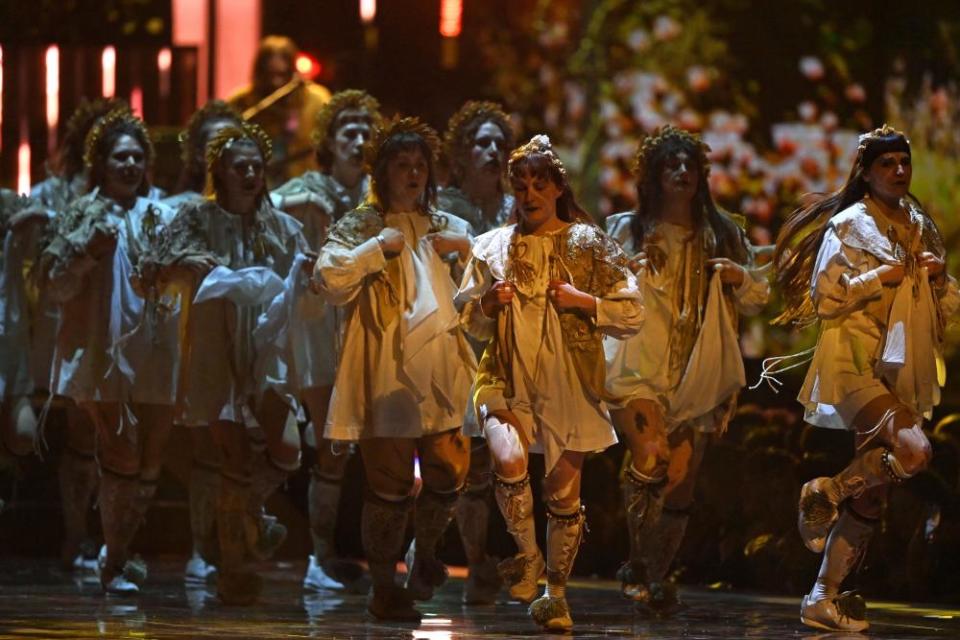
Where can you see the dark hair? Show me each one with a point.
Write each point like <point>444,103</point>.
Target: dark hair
<point>393,146</point>
<point>651,159</point>
<point>547,167</point>
<point>462,131</point>
<point>225,140</point>
<point>270,46</point>
<point>99,147</point>
<point>799,240</point>
<point>193,174</point>
<point>328,120</point>
<point>69,159</point>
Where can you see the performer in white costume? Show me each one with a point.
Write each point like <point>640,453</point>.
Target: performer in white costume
<point>677,380</point>
<point>868,264</point>
<point>543,291</point>
<point>405,371</point>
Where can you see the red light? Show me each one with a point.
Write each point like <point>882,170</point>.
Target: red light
<point>108,62</point>
<point>451,18</point>
<point>307,66</point>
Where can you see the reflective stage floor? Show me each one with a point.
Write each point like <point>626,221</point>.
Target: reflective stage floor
<point>38,601</point>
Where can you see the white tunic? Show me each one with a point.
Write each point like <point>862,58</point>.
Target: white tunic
<point>412,376</point>
<point>112,345</point>
<point>555,410</point>
<point>861,319</point>
<point>652,364</point>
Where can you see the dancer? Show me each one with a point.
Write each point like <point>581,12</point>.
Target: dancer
<point>224,379</point>
<point>318,199</point>
<point>676,381</point>
<point>115,351</point>
<point>543,292</point>
<point>77,466</point>
<point>205,468</point>
<point>476,144</point>
<point>405,368</point>
<point>868,264</point>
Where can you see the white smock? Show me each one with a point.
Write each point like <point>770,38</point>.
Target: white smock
<point>687,358</point>
<point>874,340</point>
<point>411,377</point>
<point>555,411</point>
<point>112,345</point>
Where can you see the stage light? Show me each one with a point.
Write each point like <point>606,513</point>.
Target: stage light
<point>368,11</point>
<point>52,64</point>
<point>23,162</point>
<point>307,66</point>
<point>451,18</point>
<point>136,101</point>
<point>108,64</point>
<point>164,62</point>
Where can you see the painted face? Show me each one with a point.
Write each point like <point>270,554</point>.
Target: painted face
<point>536,198</point>
<point>407,176</point>
<point>488,152</point>
<point>679,176</point>
<point>352,132</point>
<point>889,176</point>
<point>209,129</point>
<point>241,170</point>
<point>125,166</point>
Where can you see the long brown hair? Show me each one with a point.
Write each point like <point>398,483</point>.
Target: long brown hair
<point>538,159</point>
<point>799,240</point>
<point>653,153</point>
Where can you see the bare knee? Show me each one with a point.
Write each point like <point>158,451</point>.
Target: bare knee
<point>506,448</point>
<point>562,493</point>
<point>444,468</point>
<point>912,450</point>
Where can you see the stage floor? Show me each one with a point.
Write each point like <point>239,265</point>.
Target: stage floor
<point>38,601</point>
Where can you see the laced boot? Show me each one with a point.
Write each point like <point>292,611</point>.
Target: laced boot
<point>203,490</point>
<point>135,568</point>
<point>269,534</point>
<point>473,515</point>
<point>383,527</point>
<point>564,535</point>
<point>821,497</point>
<point>643,505</point>
<point>323,503</point>
<point>521,572</point>
<point>117,493</point>
<point>78,481</point>
<point>237,584</point>
<point>659,549</point>
<point>824,607</point>
<point>432,515</point>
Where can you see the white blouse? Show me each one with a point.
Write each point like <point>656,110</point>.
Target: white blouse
<point>410,377</point>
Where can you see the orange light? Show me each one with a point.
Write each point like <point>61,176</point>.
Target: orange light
<point>307,66</point>
<point>368,11</point>
<point>108,63</point>
<point>23,164</point>
<point>52,64</point>
<point>136,102</point>
<point>451,18</point>
<point>164,62</point>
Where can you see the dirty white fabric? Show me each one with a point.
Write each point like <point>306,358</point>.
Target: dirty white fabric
<point>556,412</point>
<point>859,317</point>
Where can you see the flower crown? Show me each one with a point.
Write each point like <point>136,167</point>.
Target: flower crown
<point>242,131</point>
<point>118,117</point>
<point>348,99</point>
<point>394,127</point>
<point>874,144</point>
<point>454,140</point>
<point>213,110</point>
<point>660,137</point>
<point>538,145</point>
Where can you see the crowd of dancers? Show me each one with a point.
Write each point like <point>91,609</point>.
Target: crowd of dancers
<point>445,332</point>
